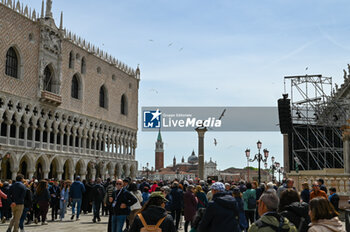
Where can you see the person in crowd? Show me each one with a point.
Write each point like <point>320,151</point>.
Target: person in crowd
<point>323,216</point>
<point>259,191</point>
<point>6,209</point>
<point>16,196</point>
<point>287,185</point>
<point>228,189</point>
<point>295,211</point>
<point>154,213</point>
<point>202,197</point>
<point>42,198</point>
<point>237,194</point>
<point>270,220</point>
<point>190,206</point>
<point>86,203</point>
<point>322,185</point>
<point>166,191</point>
<point>317,192</point>
<point>75,194</point>
<point>249,199</point>
<point>154,187</point>
<point>105,185</point>
<point>55,199</point>
<point>334,198</point>
<point>144,184</point>
<point>177,203</point>
<point>197,219</point>
<point>145,195</point>
<point>98,193</point>
<point>28,202</point>
<point>270,186</point>
<point>3,198</point>
<point>64,198</point>
<point>242,186</point>
<point>121,201</point>
<point>137,206</point>
<point>109,193</point>
<point>305,194</point>
<point>209,195</point>
<point>221,213</point>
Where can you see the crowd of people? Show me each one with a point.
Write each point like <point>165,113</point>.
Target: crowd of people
<point>197,206</point>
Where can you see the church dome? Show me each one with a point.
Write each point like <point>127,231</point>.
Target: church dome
<point>193,158</point>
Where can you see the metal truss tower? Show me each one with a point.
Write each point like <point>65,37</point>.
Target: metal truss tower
<point>315,139</point>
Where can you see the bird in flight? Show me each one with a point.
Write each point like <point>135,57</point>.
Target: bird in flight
<point>151,40</point>
<point>306,68</point>
<point>181,49</point>
<point>222,114</point>
<point>154,90</point>
<point>215,142</point>
<point>170,44</point>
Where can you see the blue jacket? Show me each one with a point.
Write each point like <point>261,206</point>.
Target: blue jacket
<point>221,215</point>
<point>64,195</point>
<point>76,190</point>
<point>17,193</point>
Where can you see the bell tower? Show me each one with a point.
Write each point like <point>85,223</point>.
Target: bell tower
<point>159,153</point>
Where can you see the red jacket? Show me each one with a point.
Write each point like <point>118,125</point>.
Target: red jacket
<point>2,195</point>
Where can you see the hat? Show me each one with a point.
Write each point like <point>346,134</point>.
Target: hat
<point>236,190</point>
<point>36,181</point>
<point>218,186</point>
<point>159,195</point>
<point>126,180</point>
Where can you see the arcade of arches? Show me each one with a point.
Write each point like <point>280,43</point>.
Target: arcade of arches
<point>63,168</point>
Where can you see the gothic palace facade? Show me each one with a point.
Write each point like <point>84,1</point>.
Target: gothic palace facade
<point>66,107</point>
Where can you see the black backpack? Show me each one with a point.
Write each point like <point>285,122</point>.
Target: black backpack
<point>251,203</point>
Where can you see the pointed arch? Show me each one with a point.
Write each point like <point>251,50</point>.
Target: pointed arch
<point>76,88</point>
<point>123,105</point>
<point>83,65</point>
<point>103,97</point>
<point>48,78</point>
<point>12,67</point>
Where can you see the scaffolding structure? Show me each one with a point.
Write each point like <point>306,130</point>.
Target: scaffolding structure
<point>315,139</point>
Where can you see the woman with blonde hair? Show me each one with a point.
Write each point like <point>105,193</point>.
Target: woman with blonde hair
<point>202,197</point>
<point>324,218</point>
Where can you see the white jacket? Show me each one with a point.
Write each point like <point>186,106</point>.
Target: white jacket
<point>327,225</point>
<point>139,199</point>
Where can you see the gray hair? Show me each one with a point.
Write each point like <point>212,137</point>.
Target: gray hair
<point>271,200</point>
<point>166,189</point>
<point>190,187</point>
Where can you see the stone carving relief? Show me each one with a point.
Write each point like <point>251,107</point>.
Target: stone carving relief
<point>51,41</point>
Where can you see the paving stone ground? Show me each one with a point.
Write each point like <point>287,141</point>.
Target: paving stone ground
<point>85,224</point>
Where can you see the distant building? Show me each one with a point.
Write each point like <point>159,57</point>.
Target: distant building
<point>183,170</point>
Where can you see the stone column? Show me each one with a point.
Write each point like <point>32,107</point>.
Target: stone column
<point>346,149</point>
<point>33,135</point>
<point>49,130</point>
<point>59,175</point>
<point>201,131</point>
<point>8,122</point>
<point>26,126</point>
<point>61,139</point>
<point>17,124</point>
<point>68,140</point>
<point>30,173</point>
<point>111,171</point>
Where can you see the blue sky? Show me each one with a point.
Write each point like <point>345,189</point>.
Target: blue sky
<point>234,53</point>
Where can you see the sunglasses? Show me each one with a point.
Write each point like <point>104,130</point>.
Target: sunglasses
<point>119,184</point>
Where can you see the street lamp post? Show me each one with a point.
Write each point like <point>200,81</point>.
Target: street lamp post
<point>259,158</point>
<point>247,154</point>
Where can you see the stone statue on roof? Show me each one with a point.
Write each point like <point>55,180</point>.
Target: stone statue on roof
<point>48,9</point>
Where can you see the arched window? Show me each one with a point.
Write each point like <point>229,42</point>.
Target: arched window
<point>83,65</point>
<point>71,60</point>
<point>48,79</point>
<point>123,105</point>
<point>103,97</point>
<point>11,63</point>
<point>75,87</point>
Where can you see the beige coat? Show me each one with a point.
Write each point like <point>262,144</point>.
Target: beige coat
<point>327,225</point>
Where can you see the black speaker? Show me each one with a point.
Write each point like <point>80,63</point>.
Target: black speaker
<point>285,115</point>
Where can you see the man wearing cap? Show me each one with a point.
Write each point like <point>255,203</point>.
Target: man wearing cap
<point>76,194</point>
<point>154,213</point>
<point>222,213</point>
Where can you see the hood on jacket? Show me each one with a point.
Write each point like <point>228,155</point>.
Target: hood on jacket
<point>153,214</point>
<point>333,224</point>
<point>272,220</point>
<point>225,201</point>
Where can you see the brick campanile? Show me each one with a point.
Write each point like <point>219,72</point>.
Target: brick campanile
<point>159,153</point>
